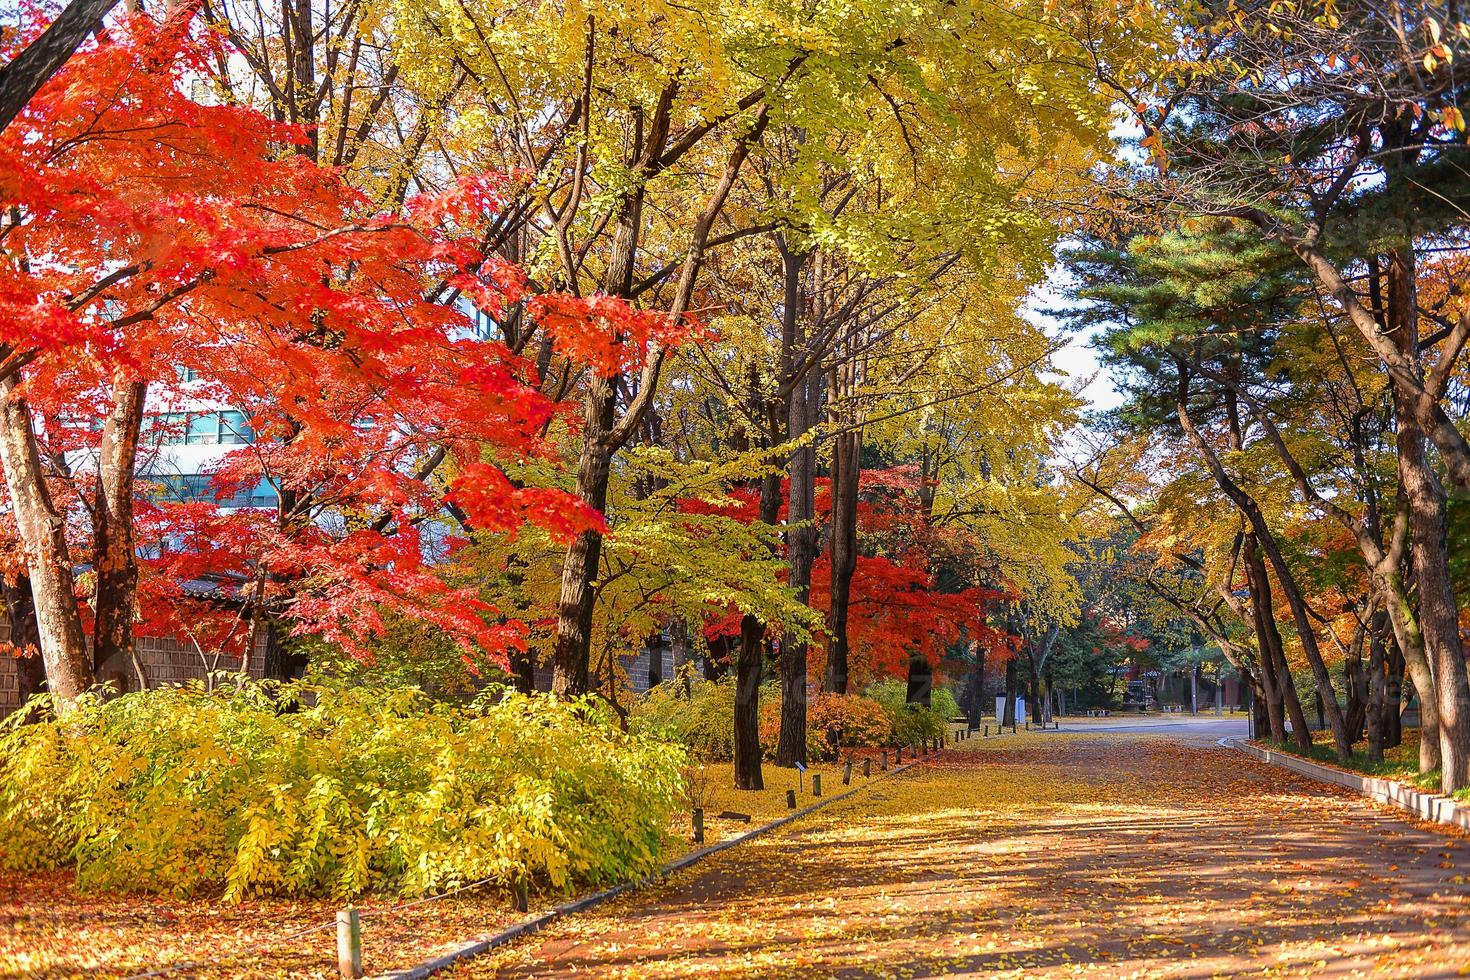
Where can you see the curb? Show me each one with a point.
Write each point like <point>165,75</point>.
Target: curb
<point>469,950</point>
<point>1431,807</point>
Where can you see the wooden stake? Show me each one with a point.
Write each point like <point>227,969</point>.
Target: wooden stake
<point>791,799</point>
<point>867,768</point>
<point>816,784</point>
<point>349,944</point>
<point>847,773</point>
<point>521,889</point>
<point>699,825</point>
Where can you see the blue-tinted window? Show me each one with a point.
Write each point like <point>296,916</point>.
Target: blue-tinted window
<point>229,428</point>
<point>234,429</point>
<point>188,487</point>
<point>203,430</point>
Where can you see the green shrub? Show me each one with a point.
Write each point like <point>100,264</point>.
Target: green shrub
<point>912,722</point>
<point>349,790</point>
<point>702,720</point>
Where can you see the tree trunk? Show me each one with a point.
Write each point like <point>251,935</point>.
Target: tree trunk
<point>114,556</point>
<point>679,646</point>
<point>1439,619</point>
<point>801,553</point>
<point>921,680</point>
<point>1008,713</point>
<point>23,76</point>
<point>578,602</point>
<point>42,529</point>
<point>1393,699</point>
<point>1408,654</point>
<point>750,665</point>
<point>1377,686</point>
<point>717,661</point>
<point>1355,682</point>
<point>748,668</point>
<point>977,689</point>
<point>1267,541</point>
<point>846,468</point>
<point>1268,641</point>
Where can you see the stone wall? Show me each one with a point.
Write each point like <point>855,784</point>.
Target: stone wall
<point>166,660</point>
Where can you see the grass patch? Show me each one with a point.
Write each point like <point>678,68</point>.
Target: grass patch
<point>1400,763</point>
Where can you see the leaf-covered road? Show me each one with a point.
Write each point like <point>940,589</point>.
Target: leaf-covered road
<point>1119,854</point>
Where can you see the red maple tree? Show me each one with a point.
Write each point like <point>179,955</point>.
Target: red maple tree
<point>153,236</point>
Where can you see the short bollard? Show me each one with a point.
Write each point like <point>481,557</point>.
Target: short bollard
<point>847,773</point>
<point>898,754</point>
<point>791,799</point>
<point>867,768</point>
<point>987,732</point>
<point>883,761</point>
<point>1028,726</point>
<point>816,784</point>
<point>699,825</point>
<point>349,943</point>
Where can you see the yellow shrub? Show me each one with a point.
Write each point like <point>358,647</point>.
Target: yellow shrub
<point>308,789</point>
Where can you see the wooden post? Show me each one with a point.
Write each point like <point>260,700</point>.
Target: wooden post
<point>898,754</point>
<point>349,944</point>
<point>791,799</point>
<point>867,768</point>
<point>521,889</point>
<point>816,784</point>
<point>883,761</point>
<point>847,773</point>
<point>987,732</point>
<point>699,825</point>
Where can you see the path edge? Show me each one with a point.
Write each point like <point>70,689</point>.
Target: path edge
<point>1431,807</point>
<point>480,946</point>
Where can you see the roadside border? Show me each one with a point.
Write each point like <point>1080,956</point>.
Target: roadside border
<point>1431,807</point>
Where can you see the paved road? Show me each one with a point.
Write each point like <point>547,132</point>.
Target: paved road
<point>1102,853</point>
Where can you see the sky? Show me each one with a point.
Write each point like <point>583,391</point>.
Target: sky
<point>1077,359</point>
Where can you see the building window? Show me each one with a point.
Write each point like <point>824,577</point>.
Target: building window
<point>229,428</point>
<point>189,487</point>
<point>234,429</point>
